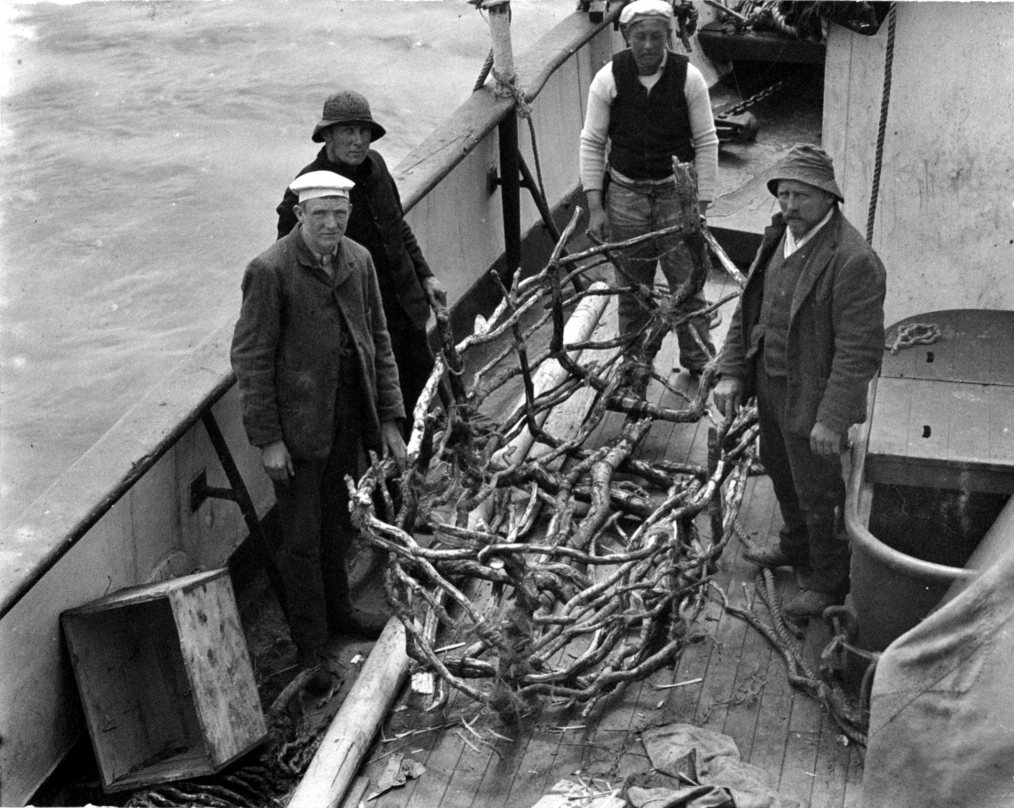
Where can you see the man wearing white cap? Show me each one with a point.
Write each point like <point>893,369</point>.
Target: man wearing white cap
<point>650,106</point>
<point>318,383</point>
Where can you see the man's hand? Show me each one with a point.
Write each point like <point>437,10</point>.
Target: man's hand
<point>598,225</point>
<point>598,221</point>
<point>727,395</point>
<point>824,441</point>
<point>277,461</point>
<point>392,442</point>
<point>435,292</point>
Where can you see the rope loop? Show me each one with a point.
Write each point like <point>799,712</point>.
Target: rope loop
<point>914,334</point>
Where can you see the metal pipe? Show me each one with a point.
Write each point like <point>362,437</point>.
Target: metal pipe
<point>528,181</point>
<point>242,498</point>
<point>510,192</point>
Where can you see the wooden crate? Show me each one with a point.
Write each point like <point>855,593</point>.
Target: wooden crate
<point>165,680</point>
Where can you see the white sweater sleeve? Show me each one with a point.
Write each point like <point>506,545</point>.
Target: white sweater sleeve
<point>592,154</point>
<point>702,132</point>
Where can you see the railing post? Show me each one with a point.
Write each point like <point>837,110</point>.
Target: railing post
<point>499,12</point>
<point>510,192</point>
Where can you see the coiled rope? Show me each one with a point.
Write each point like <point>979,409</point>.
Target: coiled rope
<point>914,334</point>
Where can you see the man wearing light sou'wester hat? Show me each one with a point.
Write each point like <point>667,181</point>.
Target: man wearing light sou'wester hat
<point>318,384</point>
<point>806,339</point>
<point>648,107</point>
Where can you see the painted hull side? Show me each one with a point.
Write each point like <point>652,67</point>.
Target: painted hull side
<point>945,217</point>
<point>148,533</point>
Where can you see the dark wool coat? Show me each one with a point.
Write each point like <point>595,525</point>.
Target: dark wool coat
<point>376,206</point>
<point>300,335</point>
<point>835,339</point>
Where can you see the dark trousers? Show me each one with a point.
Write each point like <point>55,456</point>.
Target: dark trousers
<point>317,531</point>
<point>809,488</point>
<point>414,357</point>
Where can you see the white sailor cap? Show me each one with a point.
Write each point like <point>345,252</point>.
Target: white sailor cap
<point>646,10</point>
<point>315,184</point>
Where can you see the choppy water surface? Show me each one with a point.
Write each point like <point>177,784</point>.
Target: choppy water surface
<point>144,147</point>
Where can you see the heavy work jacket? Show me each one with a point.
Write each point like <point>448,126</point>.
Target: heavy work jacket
<point>377,219</point>
<point>300,335</point>
<point>835,339</point>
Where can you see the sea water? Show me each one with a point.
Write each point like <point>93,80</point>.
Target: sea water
<point>144,148</point>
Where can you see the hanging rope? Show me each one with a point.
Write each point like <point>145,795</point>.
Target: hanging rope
<point>882,131</point>
<point>480,82</point>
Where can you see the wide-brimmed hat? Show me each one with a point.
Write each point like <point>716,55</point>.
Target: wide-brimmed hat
<point>347,106</point>
<point>809,164</point>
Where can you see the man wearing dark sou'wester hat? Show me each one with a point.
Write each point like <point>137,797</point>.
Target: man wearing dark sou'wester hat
<point>806,339</point>
<point>407,284</point>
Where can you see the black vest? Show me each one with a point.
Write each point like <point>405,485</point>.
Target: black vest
<point>647,129</point>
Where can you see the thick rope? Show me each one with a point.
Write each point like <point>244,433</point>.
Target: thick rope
<point>882,130</point>
<point>535,155</point>
<point>480,82</point>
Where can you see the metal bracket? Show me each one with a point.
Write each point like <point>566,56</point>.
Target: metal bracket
<point>237,492</point>
<point>201,491</point>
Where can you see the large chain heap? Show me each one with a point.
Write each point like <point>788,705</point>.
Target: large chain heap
<point>548,577</point>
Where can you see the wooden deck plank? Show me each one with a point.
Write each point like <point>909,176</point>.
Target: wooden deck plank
<point>533,776</point>
<point>503,768</point>
<point>798,773</point>
<point>854,781</point>
<point>570,755</point>
<point>889,430</point>
<point>603,753</point>
<point>730,634</point>
<point>832,767</point>
<point>468,773</point>
<point>422,746</point>
<point>429,789</point>
<point>751,674</point>
<point>767,748</point>
<point>692,665</point>
<point>968,431</point>
<point>929,419</point>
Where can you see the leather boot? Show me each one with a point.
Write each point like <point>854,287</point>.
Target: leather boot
<point>364,624</point>
<point>771,557</point>
<point>313,661</point>
<point>810,603</point>
<point>345,619</point>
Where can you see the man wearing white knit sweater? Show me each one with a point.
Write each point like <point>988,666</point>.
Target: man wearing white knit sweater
<point>650,106</point>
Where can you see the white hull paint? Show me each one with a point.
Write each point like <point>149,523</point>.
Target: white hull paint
<point>945,218</point>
